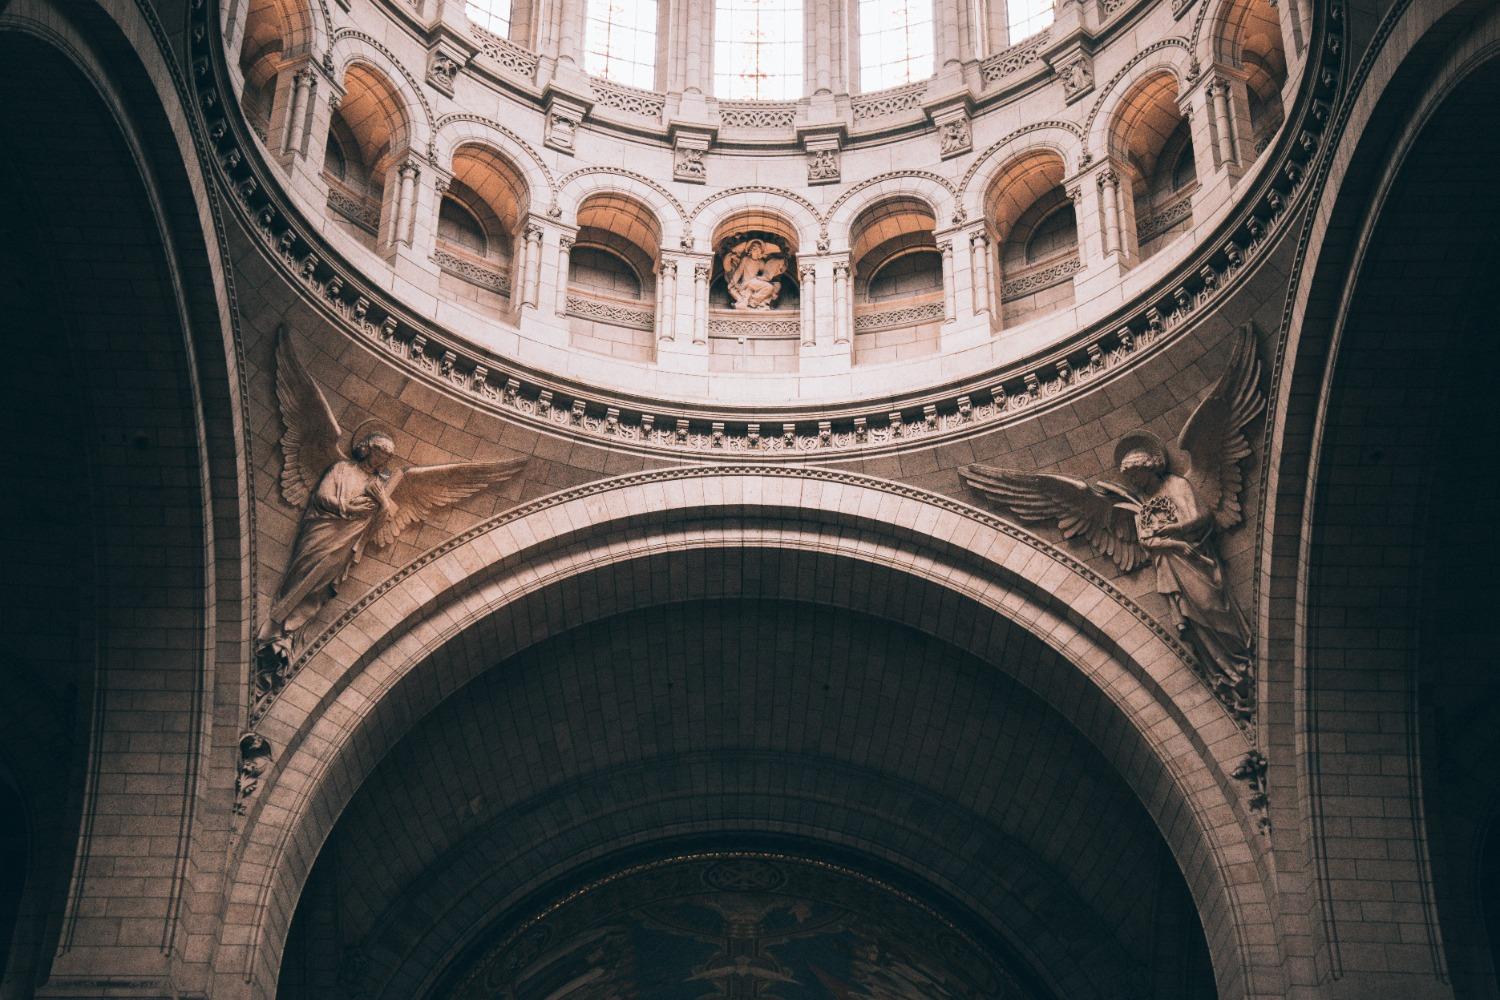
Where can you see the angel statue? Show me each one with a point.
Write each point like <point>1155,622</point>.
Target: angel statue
<point>1166,518</point>
<point>752,270</point>
<point>350,499</point>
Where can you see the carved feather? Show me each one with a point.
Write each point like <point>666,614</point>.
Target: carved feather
<point>423,490</point>
<point>1095,512</point>
<point>311,442</point>
<point>1214,436</point>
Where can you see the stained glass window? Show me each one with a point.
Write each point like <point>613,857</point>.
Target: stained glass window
<point>758,49</point>
<point>620,41</point>
<point>1027,17</point>
<point>895,42</point>
<point>491,15</point>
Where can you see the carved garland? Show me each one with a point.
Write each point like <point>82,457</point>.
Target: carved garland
<point>478,274</point>
<point>507,54</point>
<point>1154,225</point>
<point>631,100</point>
<point>1028,284</point>
<point>866,107</point>
<point>584,307</point>
<point>890,319</point>
<point>755,329</point>
<point>754,114</point>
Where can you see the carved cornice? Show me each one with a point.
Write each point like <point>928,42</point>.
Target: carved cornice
<point>559,406</point>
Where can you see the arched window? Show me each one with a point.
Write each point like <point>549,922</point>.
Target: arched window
<point>620,41</point>
<point>895,42</point>
<point>491,15</point>
<point>1027,17</point>
<point>758,49</point>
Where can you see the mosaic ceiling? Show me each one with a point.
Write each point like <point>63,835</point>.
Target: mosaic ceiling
<point>739,927</point>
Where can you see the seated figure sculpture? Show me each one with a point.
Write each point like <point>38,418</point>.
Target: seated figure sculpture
<point>751,272</point>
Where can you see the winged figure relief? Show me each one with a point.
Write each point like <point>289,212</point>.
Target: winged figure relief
<point>351,498</point>
<point>1165,518</point>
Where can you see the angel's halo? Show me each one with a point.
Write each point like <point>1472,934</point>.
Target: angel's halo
<point>374,427</point>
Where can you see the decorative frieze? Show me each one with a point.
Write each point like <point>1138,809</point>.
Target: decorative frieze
<point>867,107</point>
<point>823,166</point>
<point>364,214</point>
<point>1029,284</point>
<point>733,328</point>
<point>1014,59</point>
<point>1154,225</point>
<point>757,114</point>
<point>506,54</point>
<point>631,100</point>
<point>471,271</point>
<point>601,311</point>
<point>890,319</point>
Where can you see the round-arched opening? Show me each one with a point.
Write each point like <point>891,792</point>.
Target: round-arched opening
<point>261,53</point>
<point>1035,235</point>
<point>754,295</point>
<point>1152,140</point>
<point>898,281</point>
<point>612,281</point>
<point>479,220</point>
<point>368,133</point>
<point>1248,37</point>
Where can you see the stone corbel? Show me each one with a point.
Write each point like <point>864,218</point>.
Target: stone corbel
<point>822,145</point>
<point>690,146</point>
<point>951,117</point>
<point>565,114</point>
<point>1074,67</point>
<point>444,62</point>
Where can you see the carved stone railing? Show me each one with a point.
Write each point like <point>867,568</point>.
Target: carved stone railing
<point>1154,225</point>
<point>888,102</point>
<point>757,114</point>
<point>510,56</point>
<point>614,313</point>
<point>892,319</point>
<point>631,100</point>
<point>757,328</point>
<point>1014,59</point>
<point>364,214</point>
<point>484,275</point>
<point>1029,284</point>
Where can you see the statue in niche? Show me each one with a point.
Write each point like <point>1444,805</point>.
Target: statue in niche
<point>1167,519</point>
<point>350,499</point>
<point>752,273</point>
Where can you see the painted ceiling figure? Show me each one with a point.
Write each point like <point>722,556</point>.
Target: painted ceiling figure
<point>752,270</point>
<point>1166,518</point>
<point>349,499</point>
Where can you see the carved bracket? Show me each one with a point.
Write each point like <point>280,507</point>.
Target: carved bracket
<point>1252,771</point>
<point>255,760</point>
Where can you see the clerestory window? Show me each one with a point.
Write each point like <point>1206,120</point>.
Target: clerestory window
<point>758,49</point>
<point>620,41</point>
<point>895,42</point>
<point>491,15</point>
<point>1027,17</point>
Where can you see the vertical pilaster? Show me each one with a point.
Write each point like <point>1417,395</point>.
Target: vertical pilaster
<point>979,267</point>
<point>564,263</point>
<point>843,308</point>
<point>666,304</point>
<point>950,287</point>
<point>701,273</point>
<point>533,274</point>
<point>807,274</point>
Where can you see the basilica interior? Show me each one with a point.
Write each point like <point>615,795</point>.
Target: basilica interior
<point>750,499</point>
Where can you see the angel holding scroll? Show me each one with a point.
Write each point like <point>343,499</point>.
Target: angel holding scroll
<point>1168,519</point>
<point>350,499</point>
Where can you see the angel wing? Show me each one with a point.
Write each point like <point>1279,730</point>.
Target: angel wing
<point>1104,514</point>
<point>1214,436</point>
<point>775,267</point>
<point>423,490</point>
<point>311,442</point>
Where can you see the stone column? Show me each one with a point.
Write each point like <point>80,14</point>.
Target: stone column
<point>294,127</point>
<point>843,312</point>
<point>808,276</point>
<point>996,26</point>
<point>701,273</point>
<point>950,288</point>
<point>564,261</point>
<point>533,265</point>
<point>979,267</point>
<point>948,15</point>
<point>570,32</point>
<point>698,46</point>
<point>1108,181</point>
<point>523,22</point>
<point>822,51</point>
<point>666,300</point>
<point>396,202</point>
<point>1218,93</point>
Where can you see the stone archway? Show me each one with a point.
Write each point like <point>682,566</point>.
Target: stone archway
<point>557,562</point>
